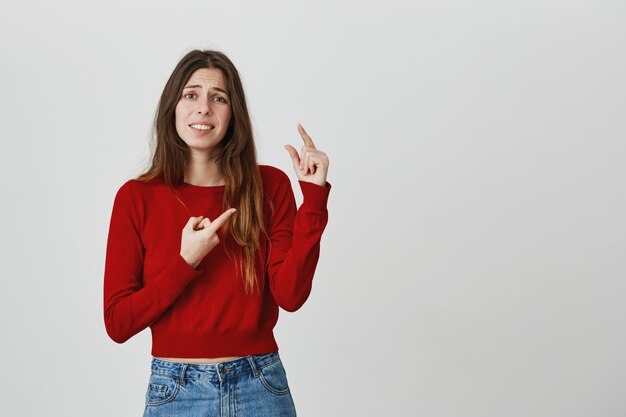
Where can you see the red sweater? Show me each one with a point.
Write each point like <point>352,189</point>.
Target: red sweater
<point>204,312</point>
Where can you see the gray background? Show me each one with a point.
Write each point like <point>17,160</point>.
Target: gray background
<point>473,263</point>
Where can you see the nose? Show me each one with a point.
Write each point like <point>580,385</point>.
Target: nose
<point>204,106</point>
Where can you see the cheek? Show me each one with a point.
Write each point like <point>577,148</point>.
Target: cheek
<point>226,115</point>
<point>179,114</point>
<point>179,120</point>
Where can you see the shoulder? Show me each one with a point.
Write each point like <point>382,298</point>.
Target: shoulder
<point>126,190</point>
<point>273,178</point>
<point>276,184</point>
<point>272,174</point>
<point>130,187</point>
<point>134,191</point>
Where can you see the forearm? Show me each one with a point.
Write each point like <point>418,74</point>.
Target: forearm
<point>128,309</point>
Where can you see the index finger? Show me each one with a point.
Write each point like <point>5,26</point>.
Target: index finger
<point>217,223</point>
<point>305,137</point>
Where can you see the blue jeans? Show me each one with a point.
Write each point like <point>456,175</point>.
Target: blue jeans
<point>251,386</point>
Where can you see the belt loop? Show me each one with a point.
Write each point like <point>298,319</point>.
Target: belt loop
<point>181,377</point>
<point>255,370</point>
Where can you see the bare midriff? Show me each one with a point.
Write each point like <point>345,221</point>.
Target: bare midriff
<point>201,360</point>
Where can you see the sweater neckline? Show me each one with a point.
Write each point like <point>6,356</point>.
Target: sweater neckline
<point>201,189</point>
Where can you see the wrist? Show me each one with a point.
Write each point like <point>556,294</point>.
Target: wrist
<point>191,263</point>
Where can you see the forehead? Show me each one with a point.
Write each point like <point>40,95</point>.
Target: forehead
<point>207,77</point>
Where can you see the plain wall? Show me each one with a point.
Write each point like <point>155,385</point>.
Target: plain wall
<point>474,260</point>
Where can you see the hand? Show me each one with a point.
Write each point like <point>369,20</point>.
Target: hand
<point>199,237</point>
<point>313,165</point>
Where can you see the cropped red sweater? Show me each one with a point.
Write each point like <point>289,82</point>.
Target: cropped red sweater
<point>204,312</point>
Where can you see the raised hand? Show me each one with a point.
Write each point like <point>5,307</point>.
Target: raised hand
<point>312,164</point>
<point>199,237</point>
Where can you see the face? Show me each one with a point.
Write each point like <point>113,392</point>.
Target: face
<point>203,110</point>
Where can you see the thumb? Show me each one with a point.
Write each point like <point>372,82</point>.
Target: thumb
<point>293,153</point>
<point>193,222</point>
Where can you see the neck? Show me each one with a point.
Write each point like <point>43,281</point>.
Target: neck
<point>203,172</point>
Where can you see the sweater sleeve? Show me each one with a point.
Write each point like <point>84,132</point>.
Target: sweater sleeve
<point>295,241</point>
<point>130,306</point>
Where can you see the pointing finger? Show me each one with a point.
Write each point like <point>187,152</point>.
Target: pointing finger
<point>217,223</point>
<point>305,137</point>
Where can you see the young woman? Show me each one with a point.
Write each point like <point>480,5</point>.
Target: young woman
<point>206,245</point>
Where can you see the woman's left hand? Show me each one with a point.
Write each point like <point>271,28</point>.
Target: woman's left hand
<point>312,165</point>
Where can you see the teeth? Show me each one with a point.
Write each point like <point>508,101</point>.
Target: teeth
<point>202,127</point>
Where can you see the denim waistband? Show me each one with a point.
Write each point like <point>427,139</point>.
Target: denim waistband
<point>210,371</point>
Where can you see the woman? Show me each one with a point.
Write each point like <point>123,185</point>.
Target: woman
<point>206,245</point>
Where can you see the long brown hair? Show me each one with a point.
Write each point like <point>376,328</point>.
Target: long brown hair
<point>235,155</point>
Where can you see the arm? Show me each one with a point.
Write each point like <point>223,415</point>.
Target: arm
<point>129,306</point>
<point>295,241</point>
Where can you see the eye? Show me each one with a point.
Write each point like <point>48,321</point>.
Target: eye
<point>189,94</point>
<point>221,98</point>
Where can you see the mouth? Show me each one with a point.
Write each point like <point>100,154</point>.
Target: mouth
<point>202,128</point>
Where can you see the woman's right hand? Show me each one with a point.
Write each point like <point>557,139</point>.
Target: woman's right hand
<point>199,237</point>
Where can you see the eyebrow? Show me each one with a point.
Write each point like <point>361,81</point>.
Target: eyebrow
<point>199,86</point>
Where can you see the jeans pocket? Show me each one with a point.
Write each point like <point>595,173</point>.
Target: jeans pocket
<point>274,378</point>
<point>161,389</point>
